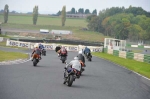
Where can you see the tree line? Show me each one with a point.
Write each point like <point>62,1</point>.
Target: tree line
<point>132,23</point>
<point>79,11</point>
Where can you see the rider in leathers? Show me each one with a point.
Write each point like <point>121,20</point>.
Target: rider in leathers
<point>81,56</point>
<point>82,60</point>
<point>87,50</point>
<point>36,51</point>
<point>73,64</point>
<point>63,52</point>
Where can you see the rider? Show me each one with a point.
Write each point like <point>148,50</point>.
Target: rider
<point>81,56</point>
<point>41,47</point>
<point>73,64</point>
<point>36,51</point>
<point>87,50</point>
<point>63,51</point>
<point>81,59</point>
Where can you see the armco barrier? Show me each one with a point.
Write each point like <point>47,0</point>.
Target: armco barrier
<point>52,46</point>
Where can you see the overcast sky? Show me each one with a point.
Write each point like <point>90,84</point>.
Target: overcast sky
<point>53,6</point>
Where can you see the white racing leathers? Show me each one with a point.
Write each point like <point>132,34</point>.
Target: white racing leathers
<point>75,64</point>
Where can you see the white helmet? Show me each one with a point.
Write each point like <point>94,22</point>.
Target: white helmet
<point>75,58</point>
<point>36,46</point>
<point>80,52</point>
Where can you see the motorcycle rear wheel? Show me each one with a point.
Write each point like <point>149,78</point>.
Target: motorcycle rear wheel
<point>70,80</point>
<point>34,62</point>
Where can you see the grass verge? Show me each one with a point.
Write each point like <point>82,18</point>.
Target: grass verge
<point>139,67</point>
<point>6,56</point>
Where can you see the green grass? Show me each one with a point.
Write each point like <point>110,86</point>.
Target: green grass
<point>137,51</point>
<point>53,23</point>
<point>44,20</point>
<point>4,36</point>
<point>77,32</point>
<point>6,56</point>
<point>3,43</point>
<point>139,67</point>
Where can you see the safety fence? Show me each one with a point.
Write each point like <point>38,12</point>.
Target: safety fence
<point>52,46</point>
<point>65,41</point>
<point>129,55</point>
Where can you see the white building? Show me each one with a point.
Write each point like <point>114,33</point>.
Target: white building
<point>60,32</point>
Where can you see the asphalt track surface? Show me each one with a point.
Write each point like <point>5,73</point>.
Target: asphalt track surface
<point>100,80</point>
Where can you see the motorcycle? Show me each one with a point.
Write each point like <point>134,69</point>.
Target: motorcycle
<point>70,75</point>
<point>89,56</point>
<point>35,59</point>
<point>43,52</point>
<point>63,58</point>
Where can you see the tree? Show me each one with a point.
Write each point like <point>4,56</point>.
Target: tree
<point>94,23</point>
<point>87,11</point>
<point>94,12</point>
<point>6,11</point>
<point>35,15</point>
<point>63,15</point>
<point>76,12</point>
<point>89,18</point>
<point>137,11</point>
<point>59,13</point>
<point>68,12</point>
<point>81,11</point>
<point>73,11</point>
<point>135,32</point>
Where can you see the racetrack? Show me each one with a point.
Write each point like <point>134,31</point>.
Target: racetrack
<point>101,80</point>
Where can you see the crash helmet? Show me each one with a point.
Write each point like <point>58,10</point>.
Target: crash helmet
<point>80,52</point>
<point>75,58</point>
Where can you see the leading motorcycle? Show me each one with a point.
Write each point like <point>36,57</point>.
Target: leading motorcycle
<point>63,58</point>
<point>43,52</point>
<point>89,56</point>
